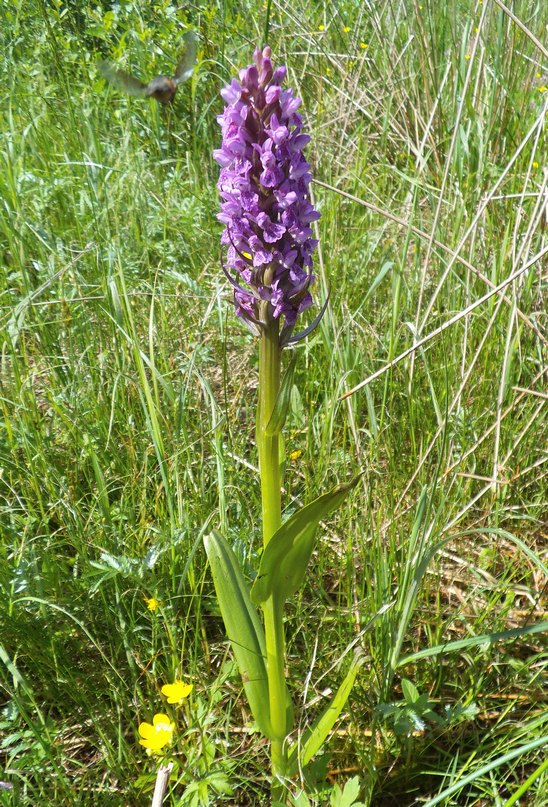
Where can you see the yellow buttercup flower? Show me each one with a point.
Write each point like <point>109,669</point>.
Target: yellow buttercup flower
<point>321,27</point>
<point>467,56</point>
<point>346,29</point>
<point>177,691</point>
<point>152,603</point>
<point>535,164</point>
<point>363,45</point>
<point>543,88</point>
<point>295,455</point>
<point>155,736</point>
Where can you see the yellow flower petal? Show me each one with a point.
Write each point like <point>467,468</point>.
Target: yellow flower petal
<point>154,747</point>
<point>152,603</point>
<point>162,722</point>
<point>146,730</point>
<point>177,691</point>
<point>156,736</point>
<point>154,743</point>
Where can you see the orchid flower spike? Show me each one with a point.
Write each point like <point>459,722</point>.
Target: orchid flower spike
<point>265,201</point>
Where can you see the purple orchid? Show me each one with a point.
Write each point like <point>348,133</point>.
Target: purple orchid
<point>265,201</point>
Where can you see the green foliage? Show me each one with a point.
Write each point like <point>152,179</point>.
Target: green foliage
<point>317,733</point>
<point>417,711</point>
<point>348,796</point>
<point>281,407</point>
<point>243,626</point>
<point>285,558</point>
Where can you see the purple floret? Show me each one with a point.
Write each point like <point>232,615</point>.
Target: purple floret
<point>265,201</point>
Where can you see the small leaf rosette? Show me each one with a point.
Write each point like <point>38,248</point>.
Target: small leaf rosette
<point>265,201</point>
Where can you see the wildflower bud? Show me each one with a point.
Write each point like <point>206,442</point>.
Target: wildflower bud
<point>265,202</point>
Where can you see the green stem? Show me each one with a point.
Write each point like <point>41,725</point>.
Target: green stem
<point>269,466</point>
<point>269,461</point>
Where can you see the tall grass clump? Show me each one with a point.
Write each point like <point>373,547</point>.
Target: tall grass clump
<point>128,395</point>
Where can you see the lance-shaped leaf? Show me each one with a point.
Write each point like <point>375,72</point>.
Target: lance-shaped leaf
<point>286,556</point>
<point>243,627</point>
<point>279,413</point>
<point>287,339</point>
<point>315,736</point>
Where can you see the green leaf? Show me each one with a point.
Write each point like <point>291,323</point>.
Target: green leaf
<point>315,736</point>
<point>414,571</point>
<point>298,800</point>
<point>474,641</point>
<point>279,413</point>
<point>387,265</point>
<point>525,786</point>
<point>410,691</point>
<point>286,556</point>
<point>348,796</point>
<point>243,626</point>
<point>499,762</point>
<point>336,794</point>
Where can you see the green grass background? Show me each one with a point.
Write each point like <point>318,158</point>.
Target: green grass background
<point>128,391</point>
